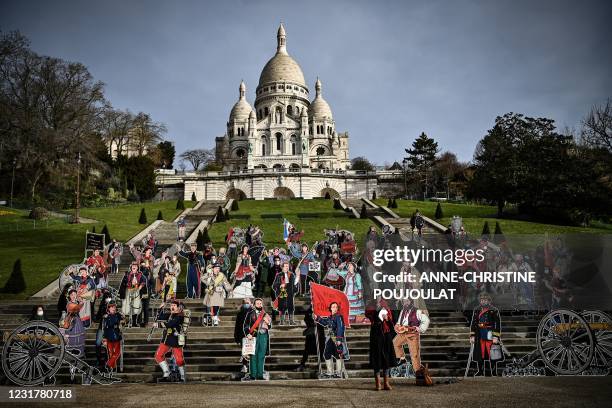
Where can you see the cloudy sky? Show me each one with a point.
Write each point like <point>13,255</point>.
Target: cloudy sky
<point>390,69</point>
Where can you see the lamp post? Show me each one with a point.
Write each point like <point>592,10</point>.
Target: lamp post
<point>163,167</point>
<point>404,163</point>
<point>13,181</point>
<point>78,191</point>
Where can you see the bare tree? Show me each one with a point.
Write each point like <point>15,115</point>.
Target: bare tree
<point>198,157</point>
<point>114,126</point>
<point>49,108</point>
<point>145,133</point>
<point>597,126</point>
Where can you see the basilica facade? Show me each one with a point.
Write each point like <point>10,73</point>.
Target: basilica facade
<point>284,129</point>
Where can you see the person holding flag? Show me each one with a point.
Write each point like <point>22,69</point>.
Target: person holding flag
<point>285,286</point>
<point>330,310</point>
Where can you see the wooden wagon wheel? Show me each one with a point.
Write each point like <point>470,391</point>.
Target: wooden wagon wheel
<point>32,353</point>
<point>565,342</point>
<point>600,324</point>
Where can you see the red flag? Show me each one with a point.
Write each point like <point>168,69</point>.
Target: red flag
<point>322,296</point>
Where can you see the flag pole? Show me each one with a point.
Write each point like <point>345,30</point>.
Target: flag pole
<point>316,332</point>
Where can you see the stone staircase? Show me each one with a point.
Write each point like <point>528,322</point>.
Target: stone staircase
<point>211,353</point>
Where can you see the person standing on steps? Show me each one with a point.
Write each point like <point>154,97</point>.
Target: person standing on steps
<point>335,342</point>
<point>244,274</point>
<point>194,267</point>
<point>111,326</point>
<point>285,286</point>
<point>173,339</point>
<point>411,324</point>
<point>256,326</point>
<point>216,287</point>
<point>244,310</point>
<point>382,353</point>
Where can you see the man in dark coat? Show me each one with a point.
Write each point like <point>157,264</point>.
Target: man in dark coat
<point>239,331</point>
<point>485,332</point>
<point>311,342</point>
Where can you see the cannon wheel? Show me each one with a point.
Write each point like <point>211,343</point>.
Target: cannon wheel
<point>32,353</point>
<point>602,357</point>
<point>565,342</point>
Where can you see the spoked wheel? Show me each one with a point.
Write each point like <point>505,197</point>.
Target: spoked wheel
<point>601,326</point>
<point>32,353</point>
<point>565,342</point>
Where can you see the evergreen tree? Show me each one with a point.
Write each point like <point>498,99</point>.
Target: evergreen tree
<point>220,217</point>
<point>439,214</point>
<point>107,237</point>
<point>498,236</point>
<point>159,215</point>
<point>199,242</point>
<point>235,205</point>
<point>226,214</point>
<point>94,229</point>
<point>205,237</point>
<point>390,203</point>
<point>193,197</point>
<point>364,211</point>
<point>337,205</point>
<point>143,216</point>
<point>421,159</point>
<point>394,205</point>
<point>485,229</point>
<point>180,204</point>
<point>374,195</point>
<point>16,282</point>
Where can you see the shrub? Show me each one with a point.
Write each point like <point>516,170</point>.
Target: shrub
<point>389,203</point>
<point>337,205</point>
<point>374,195</point>
<point>159,215</point>
<point>364,211</point>
<point>180,204</point>
<point>143,216</point>
<point>439,214</point>
<point>38,213</point>
<point>235,205</point>
<point>107,236</point>
<point>220,215</point>
<point>498,236</point>
<point>193,197</point>
<point>327,195</point>
<point>205,237</point>
<point>394,204</point>
<point>16,282</point>
<point>199,242</point>
<point>485,229</point>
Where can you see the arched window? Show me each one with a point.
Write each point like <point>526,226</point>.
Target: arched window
<point>289,110</point>
<point>320,151</point>
<point>240,153</point>
<point>310,130</point>
<point>263,149</point>
<point>266,111</point>
<point>278,141</point>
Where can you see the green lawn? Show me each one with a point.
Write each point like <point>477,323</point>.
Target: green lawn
<point>326,217</point>
<point>50,245</point>
<point>474,217</point>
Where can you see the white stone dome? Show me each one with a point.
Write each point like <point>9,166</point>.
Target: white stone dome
<point>319,108</point>
<point>242,109</point>
<point>281,67</point>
